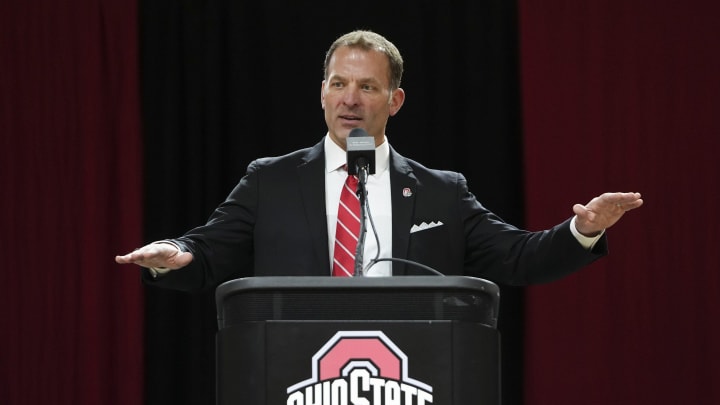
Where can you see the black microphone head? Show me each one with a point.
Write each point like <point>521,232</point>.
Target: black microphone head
<point>360,151</point>
<point>358,132</point>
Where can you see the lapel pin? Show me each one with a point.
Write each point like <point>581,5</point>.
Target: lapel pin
<point>407,192</point>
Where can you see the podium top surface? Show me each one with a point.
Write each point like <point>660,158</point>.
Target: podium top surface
<point>357,298</point>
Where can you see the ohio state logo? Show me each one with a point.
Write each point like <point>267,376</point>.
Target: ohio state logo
<point>360,368</point>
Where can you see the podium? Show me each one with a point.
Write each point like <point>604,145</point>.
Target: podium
<point>371,340</point>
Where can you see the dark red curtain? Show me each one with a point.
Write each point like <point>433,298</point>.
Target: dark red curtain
<point>625,96</point>
<point>70,173</point>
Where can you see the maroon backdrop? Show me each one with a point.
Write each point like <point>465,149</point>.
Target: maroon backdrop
<point>625,96</point>
<point>71,326</point>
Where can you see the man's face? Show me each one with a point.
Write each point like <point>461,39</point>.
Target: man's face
<point>356,94</point>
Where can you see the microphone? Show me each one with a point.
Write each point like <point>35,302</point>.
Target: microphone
<point>360,151</point>
<point>361,163</point>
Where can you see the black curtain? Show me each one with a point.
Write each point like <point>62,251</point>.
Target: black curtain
<point>224,82</point>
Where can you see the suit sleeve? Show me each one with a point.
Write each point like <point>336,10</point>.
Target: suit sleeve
<point>505,254</point>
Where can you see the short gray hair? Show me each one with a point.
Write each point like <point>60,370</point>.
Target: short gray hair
<point>369,40</point>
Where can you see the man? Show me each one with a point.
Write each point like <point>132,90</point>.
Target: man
<point>281,217</point>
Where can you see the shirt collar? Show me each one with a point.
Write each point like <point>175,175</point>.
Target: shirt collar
<point>336,157</point>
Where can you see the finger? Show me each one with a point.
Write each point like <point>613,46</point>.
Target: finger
<point>124,259</point>
<point>182,259</point>
<point>142,256</point>
<point>630,206</point>
<point>634,204</point>
<point>621,198</point>
<point>583,212</point>
<point>131,258</point>
<point>127,258</point>
<point>627,205</point>
<point>618,202</point>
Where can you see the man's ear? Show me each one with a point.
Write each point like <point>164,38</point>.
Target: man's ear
<point>396,101</point>
<point>322,94</point>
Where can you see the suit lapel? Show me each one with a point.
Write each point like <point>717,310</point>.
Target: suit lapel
<point>311,174</point>
<point>403,188</point>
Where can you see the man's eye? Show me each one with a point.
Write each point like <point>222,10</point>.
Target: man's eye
<point>336,84</point>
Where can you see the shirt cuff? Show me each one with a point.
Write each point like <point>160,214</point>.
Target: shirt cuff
<point>588,242</point>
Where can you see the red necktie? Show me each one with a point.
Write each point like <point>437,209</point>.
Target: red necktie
<point>348,229</point>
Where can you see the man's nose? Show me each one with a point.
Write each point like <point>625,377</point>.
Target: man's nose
<point>351,96</point>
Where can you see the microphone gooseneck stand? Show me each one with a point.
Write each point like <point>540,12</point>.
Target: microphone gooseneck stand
<point>362,196</point>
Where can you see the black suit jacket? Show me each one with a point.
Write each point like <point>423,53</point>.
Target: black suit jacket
<point>274,223</point>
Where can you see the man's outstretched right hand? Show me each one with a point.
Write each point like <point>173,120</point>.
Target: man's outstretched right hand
<point>157,255</point>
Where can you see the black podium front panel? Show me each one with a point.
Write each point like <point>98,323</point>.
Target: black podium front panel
<point>311,362</point>
<point>349,341</point>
